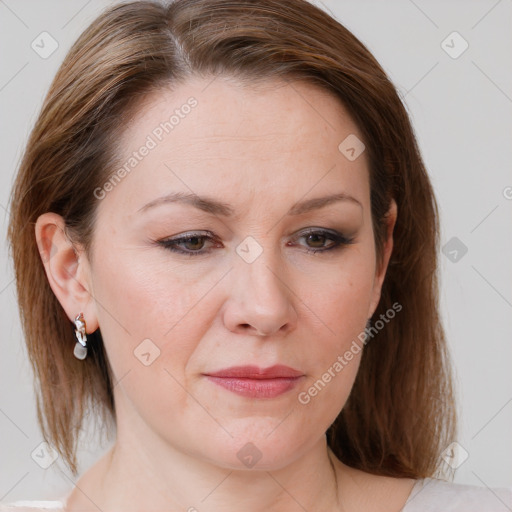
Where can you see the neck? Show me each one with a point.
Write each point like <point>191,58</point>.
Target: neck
<point>152,475</point>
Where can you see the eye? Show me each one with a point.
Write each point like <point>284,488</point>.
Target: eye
<point>193,244</point>
<point>317,238</point>
<point>190,244</point>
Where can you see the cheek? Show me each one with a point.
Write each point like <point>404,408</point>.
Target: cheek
<point>339,299</point>
<point>334,353</point>
<point>340,310</point>
<point>146,307</point>
<point>152,320</point>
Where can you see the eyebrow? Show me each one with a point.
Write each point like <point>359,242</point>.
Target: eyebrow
<point>210,205</point>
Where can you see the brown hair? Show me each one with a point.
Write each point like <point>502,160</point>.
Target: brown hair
<point>400,414</point>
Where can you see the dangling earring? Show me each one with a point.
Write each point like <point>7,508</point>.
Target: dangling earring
<point>80,350</point>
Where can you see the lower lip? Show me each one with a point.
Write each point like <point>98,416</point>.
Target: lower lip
<point>256,388</point>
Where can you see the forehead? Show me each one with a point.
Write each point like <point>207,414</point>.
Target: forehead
<point>223,103</point>
<point>222,137</point>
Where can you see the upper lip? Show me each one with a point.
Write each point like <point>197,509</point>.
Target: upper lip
<point>255,372</point>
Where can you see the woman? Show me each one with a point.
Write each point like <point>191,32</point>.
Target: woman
<point>225,244</point>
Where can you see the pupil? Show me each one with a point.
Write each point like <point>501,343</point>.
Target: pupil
<point>195,242</point>
<point>319,238</point>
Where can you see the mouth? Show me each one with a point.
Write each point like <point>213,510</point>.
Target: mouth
<point>255,382</point>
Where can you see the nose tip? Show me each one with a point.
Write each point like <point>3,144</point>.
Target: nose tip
<point>260,302</point>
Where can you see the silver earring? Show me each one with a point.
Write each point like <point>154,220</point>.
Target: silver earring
<point>80,350</point>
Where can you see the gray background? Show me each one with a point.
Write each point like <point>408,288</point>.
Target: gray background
<point>461,109</point>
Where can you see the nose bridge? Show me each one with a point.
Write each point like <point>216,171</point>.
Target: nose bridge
<point>258,267</point>
<point>262,276</point>
<point>261,298</point>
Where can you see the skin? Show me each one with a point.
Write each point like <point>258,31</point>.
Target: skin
<point>260,150</point>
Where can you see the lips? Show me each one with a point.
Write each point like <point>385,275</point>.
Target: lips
<point>255,382</point>
<point>254,372</point>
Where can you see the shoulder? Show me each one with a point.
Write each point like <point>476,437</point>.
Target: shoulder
<point>32,506</point>
<point>430,494</point>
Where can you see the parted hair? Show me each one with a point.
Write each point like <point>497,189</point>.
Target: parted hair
<point>400,414</point>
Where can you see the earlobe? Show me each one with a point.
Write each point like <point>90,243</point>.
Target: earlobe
<point>380,273</point>
<point>64,268</point>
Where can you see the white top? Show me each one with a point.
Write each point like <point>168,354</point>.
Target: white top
<point>432,495</point>
<point>427,495</point>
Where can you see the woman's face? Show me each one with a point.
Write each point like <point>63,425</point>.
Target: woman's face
<point>202,274</point>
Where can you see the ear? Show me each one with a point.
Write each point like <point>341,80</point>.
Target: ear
<point>67,269</point>
<point>380,272</point>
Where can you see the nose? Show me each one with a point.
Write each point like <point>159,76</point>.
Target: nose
<point>260,302</point>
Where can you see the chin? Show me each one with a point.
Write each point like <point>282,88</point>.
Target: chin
<point>265,444</point>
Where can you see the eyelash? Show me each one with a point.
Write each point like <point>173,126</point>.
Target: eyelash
<point>339,241</point>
